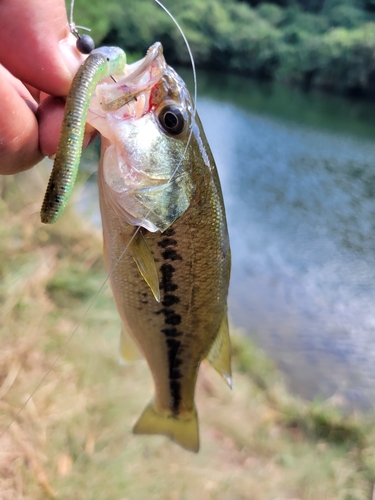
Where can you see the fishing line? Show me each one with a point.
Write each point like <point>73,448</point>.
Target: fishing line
<point>73,26</point>
<point>195,89</point>
<point>73,29</point>
<point>188,49</point>
<point>64,347</point>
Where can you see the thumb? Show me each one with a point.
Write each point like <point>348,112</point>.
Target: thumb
<point>36,45</point>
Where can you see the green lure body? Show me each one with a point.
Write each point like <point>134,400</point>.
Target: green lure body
<point>101,63</point>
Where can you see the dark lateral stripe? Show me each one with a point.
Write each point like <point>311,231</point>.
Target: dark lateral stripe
<point>166,311</point>
<point>170,253</point>
<point>167,242</point>
<point>172,332</point>
<point>171,318</point>
<point>175,388</point>
<point>167,284</point>
<point>169,232</point>
<point>170,300</point>
<point>174,372</point>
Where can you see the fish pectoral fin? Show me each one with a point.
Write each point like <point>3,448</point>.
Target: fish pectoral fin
<point>129,351</point>
<point>219,356</point>
<point>182,429</point>
<point>145,262</point>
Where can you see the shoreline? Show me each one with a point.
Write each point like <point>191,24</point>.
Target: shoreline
<point>74,435</point>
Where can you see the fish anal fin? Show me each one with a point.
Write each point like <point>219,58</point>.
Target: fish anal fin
<point>219,356</point>
<point>129,351</point>
<point>145,262</point>
<point>182,429</point>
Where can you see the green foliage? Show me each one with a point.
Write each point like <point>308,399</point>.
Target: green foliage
<point>319,421</point>
<point>310,23</point>
<point>340,60</point>
<point>272,13</point>
<point>326,44</point>
<point>346,16</point>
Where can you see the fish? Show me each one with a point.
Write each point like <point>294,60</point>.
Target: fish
<point>166,243</point>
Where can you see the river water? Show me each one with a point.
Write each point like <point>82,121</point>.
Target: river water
<point>298,176</point>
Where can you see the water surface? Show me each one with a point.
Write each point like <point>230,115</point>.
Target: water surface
<point>298,176</point>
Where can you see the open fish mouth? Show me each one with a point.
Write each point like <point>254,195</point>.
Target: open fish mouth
<point>147,161</point>
<point>134,90</point>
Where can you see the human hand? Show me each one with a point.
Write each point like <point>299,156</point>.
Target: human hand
<point>38,60</point>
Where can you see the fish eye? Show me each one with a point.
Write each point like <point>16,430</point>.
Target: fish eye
<point>172,120</point>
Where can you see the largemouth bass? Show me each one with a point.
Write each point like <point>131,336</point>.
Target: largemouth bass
<point>166,242</point>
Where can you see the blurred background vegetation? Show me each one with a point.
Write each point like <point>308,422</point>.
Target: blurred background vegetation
<point>328,44</point>
<point>67,406</point>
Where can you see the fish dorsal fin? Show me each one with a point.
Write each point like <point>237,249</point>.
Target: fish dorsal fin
<point>145,262</point>
<point>129,351</point>
<point>181,428</point>
<point>220,354</point>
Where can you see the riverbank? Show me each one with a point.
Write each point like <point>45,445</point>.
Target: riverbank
<point>73,438</point>
<point>328,45</point>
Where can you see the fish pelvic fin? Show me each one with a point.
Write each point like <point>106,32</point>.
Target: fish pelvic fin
<point>145,262</point>
<point>182,429</point>
<point>129,351</point>
<point>219,356</point>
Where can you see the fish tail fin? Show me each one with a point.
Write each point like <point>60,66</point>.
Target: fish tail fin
<point>182,429</point>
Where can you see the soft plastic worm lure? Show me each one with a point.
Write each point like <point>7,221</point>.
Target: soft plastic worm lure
<point>101,63</point>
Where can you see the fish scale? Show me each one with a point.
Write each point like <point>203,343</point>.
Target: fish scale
<point>177,333</point>
<point>166,243</point>
<point>170,284</point>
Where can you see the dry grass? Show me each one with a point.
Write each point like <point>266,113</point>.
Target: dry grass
<point>73,437</point>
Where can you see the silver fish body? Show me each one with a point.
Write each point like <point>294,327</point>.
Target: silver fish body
<point>165,237</point>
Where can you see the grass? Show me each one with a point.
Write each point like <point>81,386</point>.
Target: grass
<point>73,437</point>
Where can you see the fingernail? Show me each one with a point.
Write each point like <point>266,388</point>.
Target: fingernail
<point>72,58</point>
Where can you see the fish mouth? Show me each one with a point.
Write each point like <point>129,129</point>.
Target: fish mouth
<point>140,77</point>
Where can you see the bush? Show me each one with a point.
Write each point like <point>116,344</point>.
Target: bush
<point>272,13</point>
<point>333,49</point>
<point>255,51</point>
<point>346,16</point>
<point>311,23</point>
